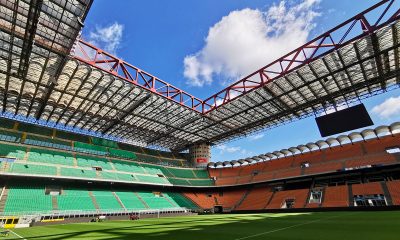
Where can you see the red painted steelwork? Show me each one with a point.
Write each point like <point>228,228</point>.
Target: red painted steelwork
<point>104,61</point>
<point>331,40</point>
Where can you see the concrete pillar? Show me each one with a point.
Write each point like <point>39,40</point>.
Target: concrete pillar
<point>200,154</point>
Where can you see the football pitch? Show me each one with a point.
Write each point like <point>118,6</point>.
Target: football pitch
<point>307,226</point>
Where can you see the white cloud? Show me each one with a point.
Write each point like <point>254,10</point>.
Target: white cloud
<point>108,37</point>
<point>234,149</point>
<point>389,108</point>
<point>247,39</point>
<point>256,137</point>
<point>224,148</point>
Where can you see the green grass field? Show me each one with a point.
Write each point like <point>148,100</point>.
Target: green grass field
<point>307,226</point>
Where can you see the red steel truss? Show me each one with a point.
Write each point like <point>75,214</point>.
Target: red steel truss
<point>328,42</point>
<point>100,59</point>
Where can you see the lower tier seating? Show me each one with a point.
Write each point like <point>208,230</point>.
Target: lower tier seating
<point>256,199</point>
<point>24,198</point>
<point>75,199</point>
<point>27,198</point>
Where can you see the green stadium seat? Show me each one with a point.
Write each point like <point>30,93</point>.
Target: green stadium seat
<point>201,182</point>
<point>50,156</point>
<point>154,201</point>
<point>178,181</point>
<point>108,175</point>
<point>76,172</point>
<point>89,148</point>
<point>6,123</point>
<point>201,173</point>
<point>126,166</point>
<point>48,142</point>
<point>72,136</point>
<point>122,153</point>
<point>180,173</point>
<point>90,161</point>
<point>148,158</point>
<point>125,177</point>
<point>106,200</point>
<point>11,151</point>
<point>182,201</point>
<point>33,169</point>
<point>75,199</point>
<point>104,142</point>
<point>130,201</point>
<point>30,128</point>
<point>130,148</point>
<point>9,136</point>
<point>23,198</point>
<point>151,179</point>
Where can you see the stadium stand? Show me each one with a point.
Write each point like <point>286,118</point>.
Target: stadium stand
<point>27,198</point>
<point>394,190</point>
<point>257,199</point>
<point>289,199</point>
<point>336,196</point>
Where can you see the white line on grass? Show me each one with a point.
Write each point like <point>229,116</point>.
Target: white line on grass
<point>17,234</point>
<point>280,229</point>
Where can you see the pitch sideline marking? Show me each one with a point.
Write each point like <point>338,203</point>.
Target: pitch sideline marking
<point>17,235</point>
<point>284,228</point>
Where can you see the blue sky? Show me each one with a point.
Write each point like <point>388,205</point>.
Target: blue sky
<point>202,46</point>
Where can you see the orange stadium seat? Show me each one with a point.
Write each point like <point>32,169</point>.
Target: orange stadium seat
<point>367,188</point>
<point>394,190</point>
<point>337,196</point>
<point>256,199</point>
<point>299,196</point>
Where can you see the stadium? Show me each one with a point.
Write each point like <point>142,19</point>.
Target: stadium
<point>93,147</point>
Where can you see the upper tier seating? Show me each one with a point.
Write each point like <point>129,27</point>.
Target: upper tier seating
<point>50,156</point>
<point>12,151</point>
<point>5,123</point>
<point>24,168</point>
<point>48,142</point>
<point>325,160</point>
<point>10,136</point>
<point>80,173</point>
<point>30,128</point>
<point>90,161</point>
<point>89,148</point>
<point>122,153</point>
<point>128,166</point>
<point>104,142</point>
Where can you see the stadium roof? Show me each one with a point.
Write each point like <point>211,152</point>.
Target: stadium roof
<point>87,88</point>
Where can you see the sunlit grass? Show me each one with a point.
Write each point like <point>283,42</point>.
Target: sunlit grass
<point>321,226</point>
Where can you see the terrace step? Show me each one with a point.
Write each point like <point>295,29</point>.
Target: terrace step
<point>141,200</point>
<point>3,198</point>
<point>119,200</point>
<point>94,200</point>
<point>54,202</point>
<point>388,197</point>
